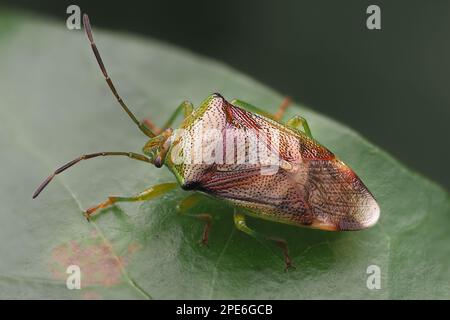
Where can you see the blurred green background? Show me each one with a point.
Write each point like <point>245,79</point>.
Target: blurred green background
<point>392,85</point>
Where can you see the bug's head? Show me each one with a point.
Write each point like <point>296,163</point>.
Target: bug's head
<point>156,148</point>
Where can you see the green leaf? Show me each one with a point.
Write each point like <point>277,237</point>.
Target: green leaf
<point>56,106</point>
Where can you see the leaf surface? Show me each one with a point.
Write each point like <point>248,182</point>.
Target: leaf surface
<point>55,106</point>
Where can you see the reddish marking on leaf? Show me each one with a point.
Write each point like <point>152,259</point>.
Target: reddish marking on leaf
<point>91,295</point>
<point>98,264</point>
<point>132,248</point>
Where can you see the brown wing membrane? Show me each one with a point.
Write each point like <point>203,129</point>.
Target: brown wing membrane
<point>338,198</point>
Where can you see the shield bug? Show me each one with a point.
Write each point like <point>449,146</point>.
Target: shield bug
<point>237,153</point>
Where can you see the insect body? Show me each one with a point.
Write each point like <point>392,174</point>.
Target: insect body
<point>310,187</point>
<point>303,184</point>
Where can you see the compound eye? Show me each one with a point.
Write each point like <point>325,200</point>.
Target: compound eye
<point>158,162</point>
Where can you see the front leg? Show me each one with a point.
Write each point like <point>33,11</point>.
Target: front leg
<point>189,202</point>
<point>147,194</point>
<point>186,107</point>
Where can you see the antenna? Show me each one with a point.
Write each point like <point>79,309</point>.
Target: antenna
<point>142,126</point>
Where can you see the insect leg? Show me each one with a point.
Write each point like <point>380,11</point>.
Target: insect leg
<point>147,194</point>
<point>277,116</point>
<point>189,202</point>
<point>69,164</point>
<point>239,222</point>
<point>252,108</point>
<point>186,107</point>
<point>282,108</point>
<point>297,121</point>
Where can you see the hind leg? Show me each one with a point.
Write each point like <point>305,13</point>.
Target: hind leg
<point>239,222</point>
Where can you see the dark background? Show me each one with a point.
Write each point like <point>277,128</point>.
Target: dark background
<point>392,85</point>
